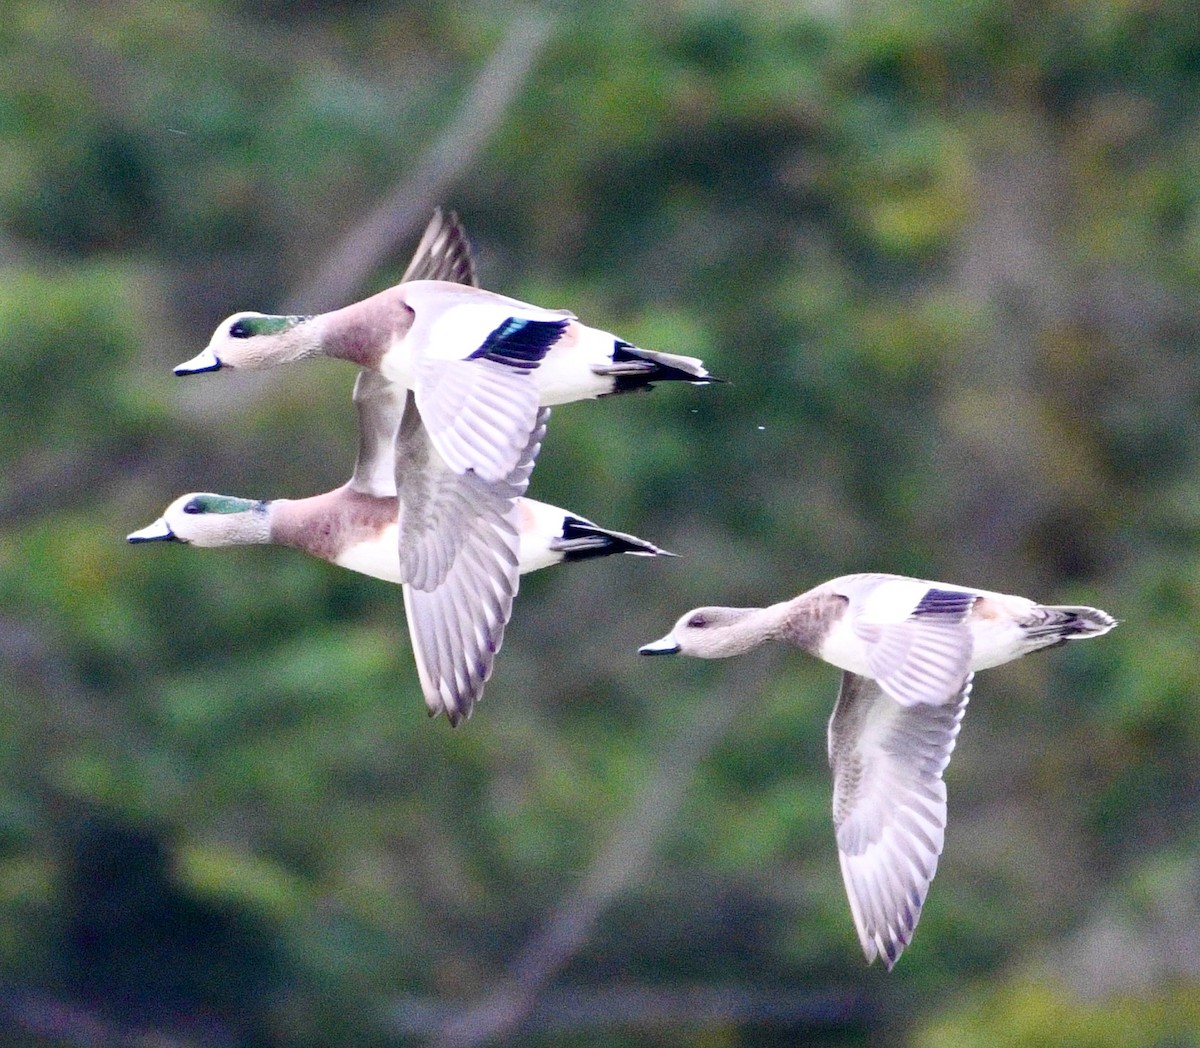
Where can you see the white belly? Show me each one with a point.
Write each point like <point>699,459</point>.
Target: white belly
<point>380,557</point>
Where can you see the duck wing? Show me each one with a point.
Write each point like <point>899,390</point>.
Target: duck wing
<point>379,404</point>
<point>889,805</point>
<point>917,639</point>
<point>444,253</point>
<point>473,356</point>
<point>458,546</point>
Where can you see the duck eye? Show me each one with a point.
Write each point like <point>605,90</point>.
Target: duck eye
<point>193,507</point>
<point>697,622</point>
<point>239,329</point>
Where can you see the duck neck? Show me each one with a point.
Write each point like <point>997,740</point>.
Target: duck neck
<point>363,332</point>
<point>298,523</point>
<point>239,522</point>
<point>305,338</point>
<point>750,628</point>
<point>771,622</point>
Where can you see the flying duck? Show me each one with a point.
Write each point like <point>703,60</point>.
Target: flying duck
<point>908,650</point>
<point>454,538</point>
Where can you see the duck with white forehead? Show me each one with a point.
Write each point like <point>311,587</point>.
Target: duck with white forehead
<point>455,540</point>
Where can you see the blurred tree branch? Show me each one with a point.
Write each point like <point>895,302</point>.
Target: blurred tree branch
<point>26,1014</point>
<point>622,861</point>
<point>408,204</point>
<point>403,209</point>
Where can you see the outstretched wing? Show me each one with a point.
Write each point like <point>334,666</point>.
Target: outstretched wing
<point>474,356</point>
<point>481,409</point>
<point>889,805</point>
<point>459,548</point>
<point>444,252</point>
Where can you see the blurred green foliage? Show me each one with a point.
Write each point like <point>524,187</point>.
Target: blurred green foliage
<point>947,255</point>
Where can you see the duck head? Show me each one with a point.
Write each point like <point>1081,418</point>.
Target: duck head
<point>252,341</point>
<point>205,519</point>
<point>711,633</point>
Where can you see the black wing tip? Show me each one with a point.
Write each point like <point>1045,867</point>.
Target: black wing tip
<point>457,716</point>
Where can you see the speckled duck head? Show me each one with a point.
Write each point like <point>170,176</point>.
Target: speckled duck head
<point>205,519</point>
<point>252,341</point>
<point>713,633</point>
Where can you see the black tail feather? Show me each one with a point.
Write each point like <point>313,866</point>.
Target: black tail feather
<point>633,368</point>
<point>1070,622</point>
<point>582,540</point>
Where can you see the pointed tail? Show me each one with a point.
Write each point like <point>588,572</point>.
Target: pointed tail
<point>581,539</point>
<point>1069,622</point>
<point>634,368</point>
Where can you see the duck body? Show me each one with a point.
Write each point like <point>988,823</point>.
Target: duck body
<point>359,532</point>
<point>956,629</point>
<point>404,330</point>
<point>918,639</point>
<point>449,429</point>
<point>480,364</point>
<point>908,649</point>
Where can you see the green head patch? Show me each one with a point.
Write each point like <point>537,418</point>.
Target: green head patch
<point>220,504</point>
<point>252,326</point>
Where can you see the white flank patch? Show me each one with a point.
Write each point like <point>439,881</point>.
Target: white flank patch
<point>844,649</point>
<point>379,558</point>
<point>891,601</point>
<point>996,641</point>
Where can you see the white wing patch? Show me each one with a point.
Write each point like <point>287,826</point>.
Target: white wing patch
<point>917,640</point>
<point>891,600</point>
<point>889,806</point>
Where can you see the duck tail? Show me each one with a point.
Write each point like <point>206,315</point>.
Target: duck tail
<point>1071,622</point>
<point>633,368</point>
<point>581,539</point>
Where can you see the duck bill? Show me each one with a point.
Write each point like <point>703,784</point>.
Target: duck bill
<point>666,646</point>
<point>159,531</point>
<point>206,360</point>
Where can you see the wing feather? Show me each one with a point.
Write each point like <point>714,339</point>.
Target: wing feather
<point>444,252</point>
<point>924,656</point>
<point>458,546</point>
<point>889,805</point>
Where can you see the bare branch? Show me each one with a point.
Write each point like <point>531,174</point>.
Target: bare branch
<point>409,203</point>
<point>621,862</point>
